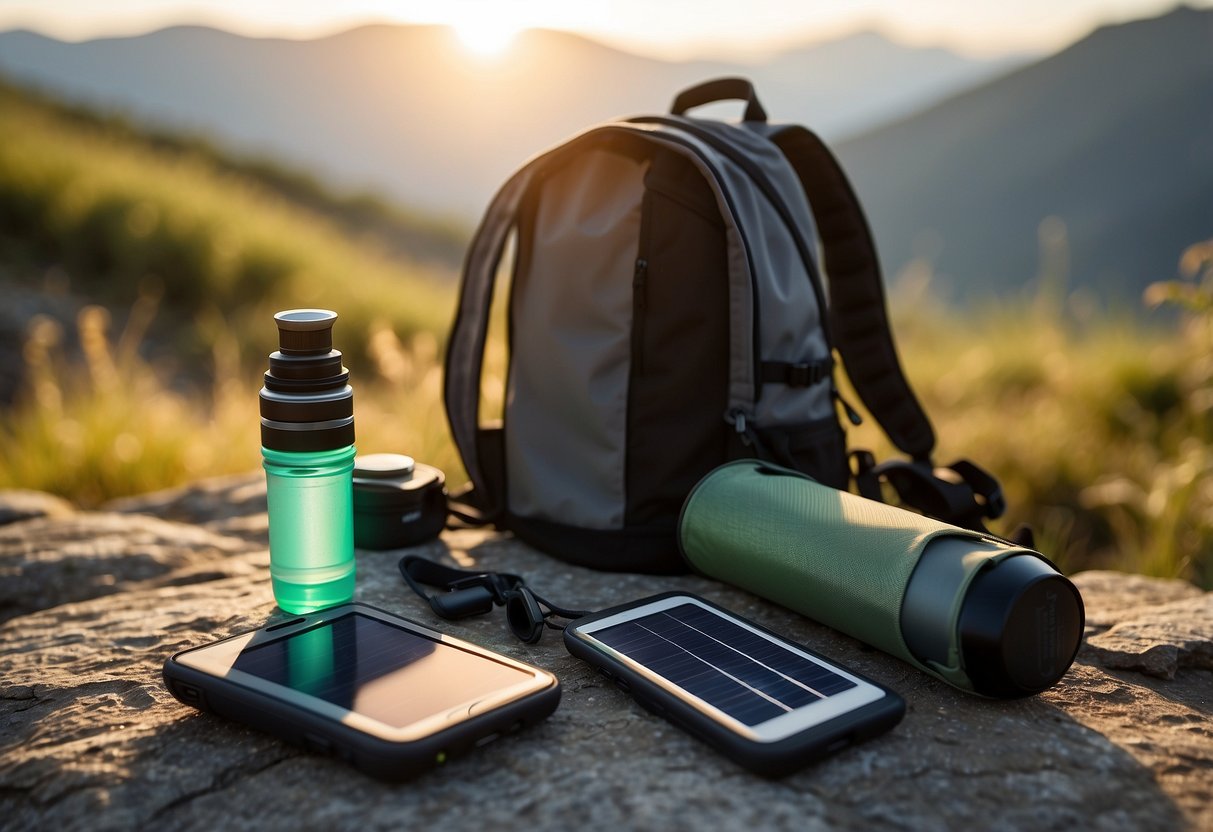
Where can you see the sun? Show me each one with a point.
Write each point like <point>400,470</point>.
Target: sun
<point>487,35</point>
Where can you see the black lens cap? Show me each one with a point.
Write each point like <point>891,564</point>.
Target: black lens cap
<point>1020,627</point>
<point>397,501</point>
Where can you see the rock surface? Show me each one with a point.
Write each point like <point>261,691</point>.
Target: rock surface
<point>91,740</point>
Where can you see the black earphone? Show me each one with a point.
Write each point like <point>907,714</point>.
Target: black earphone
<point>471,593</point>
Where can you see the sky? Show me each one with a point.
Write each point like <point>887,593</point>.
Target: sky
<point>673,29</point>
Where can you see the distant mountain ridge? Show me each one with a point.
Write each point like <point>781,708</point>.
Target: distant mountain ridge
<point>1113,137</point>
<point>405,109</point>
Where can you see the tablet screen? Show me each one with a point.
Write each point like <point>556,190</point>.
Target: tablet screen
<point>751,678</point>
<point>367,666</point>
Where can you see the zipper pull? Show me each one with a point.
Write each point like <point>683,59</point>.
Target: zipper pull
<point>852,414</point>
<point>638,280</point>
<point>737,417</point>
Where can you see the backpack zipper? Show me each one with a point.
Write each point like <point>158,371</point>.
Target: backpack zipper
<point>852,414</point>
<point>639,305</point>
<point>764,184</point>
<point>756,345</point>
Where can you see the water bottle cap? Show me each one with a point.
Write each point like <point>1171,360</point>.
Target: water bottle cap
<point>305,330</point>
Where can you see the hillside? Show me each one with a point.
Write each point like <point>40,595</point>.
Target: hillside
<point>1114,136</point>
<point>409,112</point>
<point>92,211</point>
<point>140,274</point>
<point>363,214</point>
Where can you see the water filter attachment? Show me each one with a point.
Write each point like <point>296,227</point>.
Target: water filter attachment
<point>307,448</point>
<point>307,403</point>
<point>983,615</point>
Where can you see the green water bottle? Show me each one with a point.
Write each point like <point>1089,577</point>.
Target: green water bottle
<point>307,446</point>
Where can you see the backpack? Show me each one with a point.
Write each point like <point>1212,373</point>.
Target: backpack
<point>666,314</point>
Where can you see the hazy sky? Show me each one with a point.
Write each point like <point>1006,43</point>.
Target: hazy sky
<point>667,28</point>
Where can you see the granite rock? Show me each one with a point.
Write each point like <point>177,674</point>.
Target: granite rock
<point>57,559</point>
<point>1147,624</point>
<point>233,506</point>
<point>24,505</point>
<point>91,739</point>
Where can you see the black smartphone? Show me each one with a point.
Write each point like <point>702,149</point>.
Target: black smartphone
<point>389,696</point>
<point>767,703</point>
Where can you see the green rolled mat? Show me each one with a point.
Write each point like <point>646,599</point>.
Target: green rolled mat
<point>847,562</point>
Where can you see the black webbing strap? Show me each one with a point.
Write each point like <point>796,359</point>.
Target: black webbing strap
<point>464,511</point>
<point>858,318</point>
<point>795,375</point>
<point>418,570</point>
<point>481,589</point>
<point>863,470</point>
<point>961,493</point>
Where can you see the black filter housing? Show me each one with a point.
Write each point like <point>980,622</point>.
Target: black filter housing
<point>1020,625</point>
<point>397,501</point>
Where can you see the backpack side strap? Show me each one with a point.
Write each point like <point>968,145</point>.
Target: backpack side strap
<point>465,350</point>
<point>858,317</point>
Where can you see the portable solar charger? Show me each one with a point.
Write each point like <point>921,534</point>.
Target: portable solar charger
<point>769,704</point>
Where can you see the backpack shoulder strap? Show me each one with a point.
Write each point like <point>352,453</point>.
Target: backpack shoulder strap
<point>962,493</point>
<point>858,318</point>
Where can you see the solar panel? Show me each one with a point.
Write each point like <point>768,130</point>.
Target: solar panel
<point>745,675</point>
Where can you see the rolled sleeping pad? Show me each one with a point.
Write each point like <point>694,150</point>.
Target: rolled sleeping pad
<point>981,614</point>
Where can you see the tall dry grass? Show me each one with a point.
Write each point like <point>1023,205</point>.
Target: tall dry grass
<point>105,423</point>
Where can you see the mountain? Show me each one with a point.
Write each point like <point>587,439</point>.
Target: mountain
<point>858,82</point>
<point>408,111</point>
<point>1113,136</point>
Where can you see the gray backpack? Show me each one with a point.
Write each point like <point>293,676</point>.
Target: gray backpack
<point>667,314</point>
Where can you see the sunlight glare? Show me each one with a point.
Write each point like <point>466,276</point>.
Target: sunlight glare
<point>487,35</point>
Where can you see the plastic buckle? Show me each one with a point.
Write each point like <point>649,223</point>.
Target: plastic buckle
<point>983,483</point>
<point>497,583</point>
<point>801,375</point>
<point>864,473</point>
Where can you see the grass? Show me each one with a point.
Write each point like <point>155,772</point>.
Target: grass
<point>1099,426</point>
<point>1100,432</point>
<point>108,423</point>
<point>185,255</point>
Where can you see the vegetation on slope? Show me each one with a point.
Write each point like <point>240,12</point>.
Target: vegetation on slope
<point>1100,427</point>
<point>118,217</point>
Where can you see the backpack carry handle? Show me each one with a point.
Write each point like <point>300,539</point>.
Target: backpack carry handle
<point>721,89</point>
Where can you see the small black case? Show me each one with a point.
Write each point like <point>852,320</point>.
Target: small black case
<point>397,502</point>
